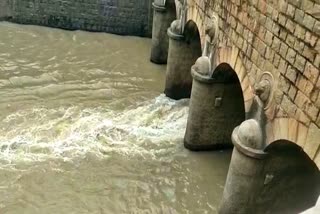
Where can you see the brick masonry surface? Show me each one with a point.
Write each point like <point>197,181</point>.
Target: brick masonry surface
<point>279,36</point>
<point>124,17</point>
<point>4,9</point>
<point>282,37</point>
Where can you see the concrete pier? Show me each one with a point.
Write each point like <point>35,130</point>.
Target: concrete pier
<point>183,52</point>
<point>162,18</point>
<point>216,108</point>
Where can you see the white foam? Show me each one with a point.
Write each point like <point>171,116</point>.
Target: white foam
<point>68,133</point>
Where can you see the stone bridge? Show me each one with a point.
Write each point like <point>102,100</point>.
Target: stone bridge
<point>252,60</point>
<point>251,71</point>
<point>281,37</point>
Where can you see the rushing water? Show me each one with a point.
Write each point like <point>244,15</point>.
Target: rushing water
<point>85,129</point>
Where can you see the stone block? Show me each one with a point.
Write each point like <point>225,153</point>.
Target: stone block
<point>309,88</point>
<point>316,27</point>
<point>291,74</point>
<point>292,129</point>
<point>301,100</point>
<point>312,111</point>
<point>280,128</point>
<point>283,6</point>
<point>269,10</point>
<point>309,53</point>
<point>290,11</point>
<point>317,102</point>
<point>239,29</point>
<point>283,66</point>
<point>300,63</point>
<point>314,96</point>
<point>275,15</point>
<point>290,26</point>
<point>299,16</point>
<point>284,84</point>
<point>268,38</point>
<point>307,5</point>
<point>302,117</point>
<point>240,42</point>
<point>309,21</point>
<point>269,24</point>
<point>302,136</point>
<point>282,20</point>
<point>249,50</point>
<point>283,34</point>
<point>290,57</point>
<point>269,54</point>
<point>296,3</point>
<point>318,84</point>
<point>255,55</point>
<point>317,61</point>
<point>304,85</point>
<point>276,44</point>
<point>261,33</point>
<point>300,32</point>
<point>283,50</point>
<point>261,63</point>
<point>292,92</point>
<point>317,47</point>
<point>288,106</point>
<point>312,141</point>
<point>310,39</point>
<point>275,29</point>
<point>298,46</point>
<point>290,40</point>
<point>311,72</point>
<point>276,60</point>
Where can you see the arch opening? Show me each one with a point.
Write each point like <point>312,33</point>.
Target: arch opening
<point>192,35</point>
<point>292,179</point>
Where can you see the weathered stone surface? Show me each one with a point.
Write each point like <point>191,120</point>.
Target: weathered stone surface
<point>309,21</point>
<point>316,27</point>
<point>311,72</point>
<point>5,9</point>
<point>312,141</point>
<point>119,17</point>
<point>183,52</point>
<point>291,55</point>
<point>291,74</point>
<point>215,102</point>
<point>162,18</point>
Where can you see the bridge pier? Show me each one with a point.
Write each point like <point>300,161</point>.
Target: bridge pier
<point>216,104</point>
<point>162,18</point>
<point>275,178</point>
<point>184,49</point>
<point>246,176</point>
<point>216,108</point>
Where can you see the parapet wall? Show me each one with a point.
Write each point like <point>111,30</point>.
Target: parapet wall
<point>124,17</point>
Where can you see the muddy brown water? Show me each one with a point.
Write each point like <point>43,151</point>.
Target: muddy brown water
<point>85,128</point>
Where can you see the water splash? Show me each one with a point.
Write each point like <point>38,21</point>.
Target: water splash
<point>39,134</point>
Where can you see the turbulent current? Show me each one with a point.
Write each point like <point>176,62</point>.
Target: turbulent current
<point>85,128</point>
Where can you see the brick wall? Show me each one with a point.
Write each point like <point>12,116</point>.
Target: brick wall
<point>279,36</point>
<point>4,9</point>
<point>126,17</point>
<point>282,37</point>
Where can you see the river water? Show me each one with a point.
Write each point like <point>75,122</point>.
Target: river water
<point>85,128</point>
